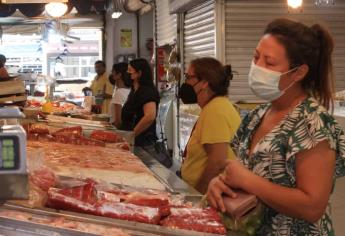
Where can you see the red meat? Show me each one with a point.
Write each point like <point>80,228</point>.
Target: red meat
<point>77,130</point>
<point>160,201</point>
<point>36,129</point>
<point>59,200</point>
<point>85,193</point>
<point>76,139</point>
<point>197,219</point>
<point>130,212</point>
<point>43,178</point>
<point>108,137</point>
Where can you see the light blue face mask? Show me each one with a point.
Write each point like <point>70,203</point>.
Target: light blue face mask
<point>264,83</point>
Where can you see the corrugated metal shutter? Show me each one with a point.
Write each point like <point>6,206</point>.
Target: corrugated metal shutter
<point>246,20</point>
<point>199,32</point>
<point>165,23</point>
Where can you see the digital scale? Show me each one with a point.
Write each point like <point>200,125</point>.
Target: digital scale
<point>13,173</point>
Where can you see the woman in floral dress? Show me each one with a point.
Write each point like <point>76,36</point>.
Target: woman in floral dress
<point>290,150</point>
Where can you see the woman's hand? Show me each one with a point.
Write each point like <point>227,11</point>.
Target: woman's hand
<point>237,175</point>
<point>215,191</point>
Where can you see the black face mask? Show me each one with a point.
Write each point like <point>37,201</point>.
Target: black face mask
<point>187,94</point>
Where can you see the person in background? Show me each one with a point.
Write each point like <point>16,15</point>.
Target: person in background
<point>208,149</point>
<point>140,110</point>
<point>123,84</point>
<point>101,87</point>
<point>3,71</point>
<point>290,150</point>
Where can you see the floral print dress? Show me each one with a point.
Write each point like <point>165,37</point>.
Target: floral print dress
<point>274,158</point>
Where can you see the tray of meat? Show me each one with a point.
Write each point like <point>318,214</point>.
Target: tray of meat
<point>73,220</point>
<point>35,224</point>
<point>85,199</point>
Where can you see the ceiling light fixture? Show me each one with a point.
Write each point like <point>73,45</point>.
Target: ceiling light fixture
<point>116,9</point>
<point>295,3</point>
<point>56,9</point>
<point>324,2</point>
<point>116,14</point>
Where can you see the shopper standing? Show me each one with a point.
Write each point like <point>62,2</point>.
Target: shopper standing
<point>291,150</point>
<point>208,149</point>
<point>123,84</point>
<point>140,110</point>
<point>101,87</point>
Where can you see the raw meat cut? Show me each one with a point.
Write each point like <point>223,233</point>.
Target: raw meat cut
<point>43,178</point>
<point>84,199</point>
<point>130,212</point>
<point>77,130</point>
<point>58,200</point>
<point>36,129</point>
<point>160,201</point>
<point>146,199</point>
<point>75,139</point>
<point>108,137</point>
<point>203,220</point>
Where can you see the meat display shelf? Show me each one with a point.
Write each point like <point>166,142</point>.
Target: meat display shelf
<point>166,177</point>
<point>169,179</point>
<point>11,227</point>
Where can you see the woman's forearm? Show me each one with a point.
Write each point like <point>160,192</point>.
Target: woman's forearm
<point>143,125</point>
<point>289,201</point>
<point>209,173</point>
<point>118,113</point>
<point>217,154</point>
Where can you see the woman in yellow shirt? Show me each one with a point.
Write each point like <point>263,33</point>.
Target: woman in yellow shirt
<point>208,149</point>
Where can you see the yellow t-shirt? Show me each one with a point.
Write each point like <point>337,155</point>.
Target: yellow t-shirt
<point>102,84</point>
<point>217,123</point>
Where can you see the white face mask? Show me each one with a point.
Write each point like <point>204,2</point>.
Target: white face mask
<point>264,83</point>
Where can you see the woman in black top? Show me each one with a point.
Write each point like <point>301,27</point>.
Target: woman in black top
<point>140,110</point>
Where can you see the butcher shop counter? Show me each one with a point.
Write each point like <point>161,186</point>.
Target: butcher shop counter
<point>166,177</point>
<point>31,218</point>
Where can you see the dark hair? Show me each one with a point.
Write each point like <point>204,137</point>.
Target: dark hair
<point>312,46</point>
<point>212,71</point>
<point>101,63</point>
<point>143,66</point>
<point>122,68</point>
<point>2,58</point>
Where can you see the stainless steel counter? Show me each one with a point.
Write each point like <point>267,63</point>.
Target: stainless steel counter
<point>166,176</point>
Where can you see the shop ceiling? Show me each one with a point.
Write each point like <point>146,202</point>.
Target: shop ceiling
<point>31,12</point>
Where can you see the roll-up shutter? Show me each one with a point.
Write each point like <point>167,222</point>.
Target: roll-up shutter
<point>245,21</point>
<point>199,32</point>
<point>166,23</point>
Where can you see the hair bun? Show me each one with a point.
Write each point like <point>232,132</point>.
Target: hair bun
<point>228,72</point>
